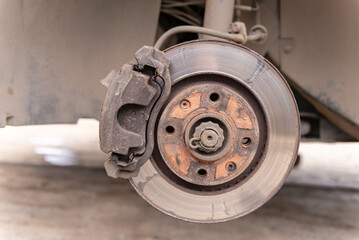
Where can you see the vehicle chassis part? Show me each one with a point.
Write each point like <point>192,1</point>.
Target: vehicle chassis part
<point>256,110</point>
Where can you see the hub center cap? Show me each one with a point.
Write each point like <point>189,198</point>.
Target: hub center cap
<point>207,137</point>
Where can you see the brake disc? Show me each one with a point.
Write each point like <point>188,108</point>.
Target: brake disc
<point>226,138</point>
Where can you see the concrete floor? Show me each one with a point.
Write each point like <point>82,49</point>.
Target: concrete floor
<point>52,186</point>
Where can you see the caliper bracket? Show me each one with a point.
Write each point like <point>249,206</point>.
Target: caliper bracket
<point>134,99</point>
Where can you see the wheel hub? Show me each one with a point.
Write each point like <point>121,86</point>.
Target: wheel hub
<point>206,146</point>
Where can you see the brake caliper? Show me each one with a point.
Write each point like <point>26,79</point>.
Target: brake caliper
<point>134,99</point>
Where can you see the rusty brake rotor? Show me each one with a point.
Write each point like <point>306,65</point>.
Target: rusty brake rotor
<point>226,138</point>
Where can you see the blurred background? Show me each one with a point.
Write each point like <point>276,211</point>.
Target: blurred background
<point>53,186</point>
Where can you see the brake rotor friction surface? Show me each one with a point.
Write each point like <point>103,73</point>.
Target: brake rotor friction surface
<point>183,198</point>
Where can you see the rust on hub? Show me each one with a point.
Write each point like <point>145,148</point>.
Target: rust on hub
<point>210,122</point>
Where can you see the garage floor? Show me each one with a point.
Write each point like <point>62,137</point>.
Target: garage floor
<point>52,186</point>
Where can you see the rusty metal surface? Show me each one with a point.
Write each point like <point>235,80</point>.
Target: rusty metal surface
<point>215,105</point>
<point>54,52</point>
<point>181,199</point>
<point>134,98</point>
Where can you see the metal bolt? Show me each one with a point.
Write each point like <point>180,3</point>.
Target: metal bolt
<point>209,138</point>
<point>185,104</point>
<point>231,166</point>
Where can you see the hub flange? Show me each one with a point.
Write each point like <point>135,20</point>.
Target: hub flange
<point>208,134</point>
